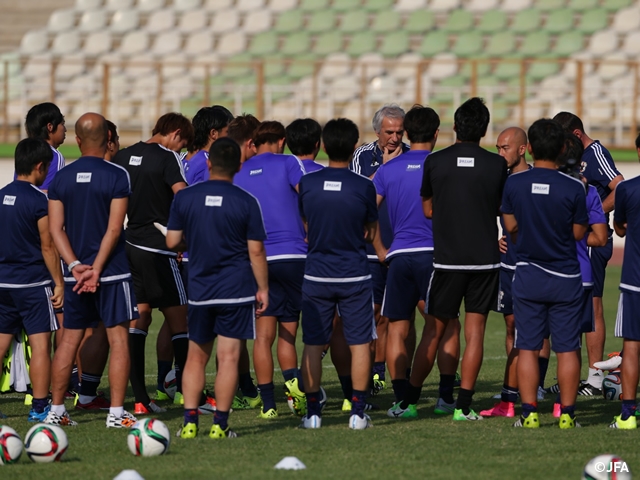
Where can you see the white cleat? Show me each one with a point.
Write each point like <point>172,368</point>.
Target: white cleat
<point>610,364</point>
<point>314,421</point>
<point>360,423</point>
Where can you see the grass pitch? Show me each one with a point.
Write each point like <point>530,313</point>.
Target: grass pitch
<point>429,447</point>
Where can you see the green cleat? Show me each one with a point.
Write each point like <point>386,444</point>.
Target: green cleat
<point>269,414</point>
<point>239,403</point>
<point>190,430</point>
<point>444,408</point>
<point>162,396</point>
<point>377,385</point>
<point>566,422</point>
<point>398,412</point>
<point>254,402</point>
<point>296,399</point>
<point>458,416</point>
<point>28,400</point>
<point>532,421</point>
<point>629,424</point>
<point>178,399</point>
<point>346,405</point>
<point>217,432</point>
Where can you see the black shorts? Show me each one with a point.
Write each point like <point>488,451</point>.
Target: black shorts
<point>285,290</point>
<point>156,278</point>
<point>600,256</point>
<point>447,289</point>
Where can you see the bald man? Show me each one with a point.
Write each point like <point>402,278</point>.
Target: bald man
<point>87,205</point>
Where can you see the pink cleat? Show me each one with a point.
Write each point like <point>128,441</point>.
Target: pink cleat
<point>500,409</point>
<point>557,410</point>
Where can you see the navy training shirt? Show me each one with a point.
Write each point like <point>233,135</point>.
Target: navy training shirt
<point>628,211</point>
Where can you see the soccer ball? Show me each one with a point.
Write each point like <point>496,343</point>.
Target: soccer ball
<point>45,443</point>
<point>10,445</point>
<point>606,467</point>
<point>612,386</point>
<point>148,438</point>
<point>171,384</point>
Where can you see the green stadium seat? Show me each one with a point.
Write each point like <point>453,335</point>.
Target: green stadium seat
<point>550,5</point>
<point>500,44</point>
<point>582,5</point>
<point>313,5</point>
<point>593,21</point>
<point>614,5</point>
<point>362,42</point>
<point>263,43</point>
<point>290,21</point>
<point>454,81</point>
<point>385,22</point>
<point>458,21</point>
<point>526,21</point>
<point>346,5</point>
<point>321,21</point>
<point>301,66</point>
<point>281,80</point>
<point>483,69</point>
<point>434,42</point>
<point>559,21</point>
<point>492,21</point>
<point>237,71</point>
<point>274,66</point>
<point>394,44</point>
<point>354,21</point>
<point>421,21</point>
<point>500,113</point>
<point>296,43</point>
<point>539,70</point>
<point>378,5</point>
<point>468,44</point>
<point>329,42</point>
<point>568,43</point>
<point>507,70</point>
<point>488,81</point>
<point>535,43</point>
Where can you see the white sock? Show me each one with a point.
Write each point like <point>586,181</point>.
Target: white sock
<point>116,411</point>
<point>84,399</point>
<point>595,377</point>
<point>58,409</point>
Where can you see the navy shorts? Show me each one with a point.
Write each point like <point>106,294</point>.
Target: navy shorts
<point>184,274</point>
<point>379,273</point>
<point>407,284</point>
<point>231,321</point>
<point>545,304</point>
<point>600,256</point>
<point>628,318</point>
<point>28,308</point>
<point>285,290</point>
<point>355,302</point>
<point>588,317</point>
<point>447,289</point>
<point>505,297</point>
<point>112,304</point>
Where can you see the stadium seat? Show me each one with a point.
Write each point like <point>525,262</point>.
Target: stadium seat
<point>302,67</point>
<point>458,21</point>
<point>405,66</point>
<point>161,20</point>
<point>443,5</point>
<point>241,69</point>
<point>535,43</point>
<point>166,43</point>
<point>481,5</point>
<point>467,44</point>
<point>69,66</point>
<point>173,65</point>
<point>329,42</point>
<point>263,44</point>
<point>37,66</point>
<point>492,21</point>
<point>282,5</point>
<point>257,21</point>
<point>559,21</point>
<point>360,43</point>
<point>124,21</point>
<point>354,21</point>
<point>626,20</point>
<point>482,70</point>
<point>65,43</point>
<point>571,68</point>
<point>526,21</point>
<point>443,66</point>
<point>312,5</point>
<point>186,5</point>
<point>393,44</point>
<point>593,21</point>
<point>434,42</point>
<point>378,5</point>
<point>34,41</point>
<point>516,5</point>
<point>550,5</point>
<point>199,43</point>
<point>321,21</point>
<point>500,44</point>
<point>631,44</point>
<point>141,64</point>
<point>92,21</point>
<point>150,5</point>
<point>568,43</point>
<point>193,21</point>
<point>289,21</point>
<point>539,70</point>
<point>346,5</point>
<point>336,65</point>
<point>208,60</point>
<point>374,64</point>
<point>344,88</point>
<point>114,5</point>
<point>410,5</point>
<point>249,5</point>
<point>386,21</point>
<point>61,20</point>
<point>421,21</point>
<point>217,5</point>
<point>232,43</point>
<point>609,71</point>
<point>82,5</point>
<point>603,42</point>
<point>97,43</point>
<point>507,70</point>
<point>296,43</point>
<point>134,42</point>
<point>225,21</point>
<point>582,5</point>
<point>615,5</point>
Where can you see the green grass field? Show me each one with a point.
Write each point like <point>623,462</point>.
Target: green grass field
<point>429,447</point>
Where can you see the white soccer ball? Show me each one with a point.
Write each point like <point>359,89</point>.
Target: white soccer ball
<point>606,467</point>
<point>171,384</point>
<point>10,445</point>
<point>45,443</point>
<point>612,386</point>
<point>148,438</point>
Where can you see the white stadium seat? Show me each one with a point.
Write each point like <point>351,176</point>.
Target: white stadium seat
<point>406,66</point>
<point>61,20</point>
<point>38,67</point>
<point>70,66</point>
<point>631,44</point>
<point>626,20</point>
<point>150,5</point>
<point>174,65</point>
<point>608,71</point>
<point>410,5</point>
<point>232,43</point>
<point>442,69</point>
<point>98,43</point>
<point>192,21</point>
<point>65,43</point>
<point>134,42</point>
<point>198,66</point>
<point>185,5</point>
<point>34,41</point>
<point>257,21</point>
<point>166,43</point>
<point>282,5</point>
<point>249,5</point>
<point>443,5</point>
<point>603,42</point>
<point>82,5</point>
<point>344,88</point>
<point>114,5</point>
<point>217,5</point>
<point>161,20</point>
<point>92,20</point>
<point>481,5</point>
<point>199,43</point>
<point>124,21</point>
<point>515,5</point>
<point>570,69</point>
<point>374,62</point>
<point>336,65</point>
<point>225,21</point>
<point>140,65</point>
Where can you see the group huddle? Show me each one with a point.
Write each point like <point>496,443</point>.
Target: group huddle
<point>235,240</point>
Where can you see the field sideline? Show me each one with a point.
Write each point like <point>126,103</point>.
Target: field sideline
<point>430,447</point>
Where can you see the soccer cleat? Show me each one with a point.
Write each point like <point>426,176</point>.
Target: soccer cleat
<point>614,361</point>
<point>497,396</point>
<point>398,412</point>
<point>444,408</point>
<point>346,406</point>
<point>69,394</point>
<point>125,421</point>
<point>458,416</point>
<point>500,409</point>
<point>63,420</point>
<point>296,397</point>
<point>271,413</point>
<point>98,403</point>
<point>588,390</point>
<point>360,423</point>
<point>566,422</point>
<point>28,399</point>
<point>217,432</point>
<point>311,422</point>
<point>553,389</point>
<point>35,417</point>
<point>239,403</point>
<point>207,407</point>
<point>532,421</point>
<point>557,410</point>
<point>377,385</point>
<point>541,393</point>
<point>162,396</point>
<point>254,402</point>
<point>178,399</point>
<point>629,424</point>
<point>142,409</point>
<point>190,430</point>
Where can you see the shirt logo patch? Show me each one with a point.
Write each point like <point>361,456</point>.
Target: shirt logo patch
<point>9,200</point>
<point>255,172</point>
<point>135,161</point>
<point>412,168</point>
<point>333,186</point>
<point>466,161</point>
<point>540,188</point>
<point>583,166</point>
<point>212,201</point>
<point>83,177</point>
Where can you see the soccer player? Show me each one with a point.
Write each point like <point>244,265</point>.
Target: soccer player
<point>87,205</point>
<point>410,257</point>
<point>303,139</point>
<point>273,179</point>
<point>224,233</point>
<point>113,145</point>
<point>339,211</point>
<point>600,171</point>
<point>388,125</point>
<point>241,130</point>
<point>28,263</point>
<point>545,211</point>
<point>156,176</point>
<point>462,182</point>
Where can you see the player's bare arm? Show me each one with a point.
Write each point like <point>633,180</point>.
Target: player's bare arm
<point>427,207</point>
<point>52,261</point>
<point>176,187</point>
<point>620,228</point>
<point>511,225</point>
<point>370,231</point>
<point>609,202</point>
<point>598,236</point>
<point>258,258</point>
<point>175,241</point>
<point>579,231</point>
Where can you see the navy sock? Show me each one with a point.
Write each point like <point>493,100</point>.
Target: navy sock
<point>445,389</point>
<point>290,374</point>
<point>164,368</point>
<point>509,394</point>
<point>39,404</point>
<point>558,398</point>
<point>543,365</point>
<point>313,404</point>
<point>347,386</point>
<point>528,409</point>
<point>628,408</point>
<point>221,418</point>
<point>358,403</point>
<point>412,396</point>
<point>399,388</point>
<point>74,380</point>
<point>464,400</point>
<point>180,342</point>
<point>570,409</point>
<point>300,382</point>
<point>137,341</point>
<point>246,385</point>
<point>379,368</point>
<point>268,396</point>
<point>408,373</point>
<point>191,416</point>
<point>89,384</point>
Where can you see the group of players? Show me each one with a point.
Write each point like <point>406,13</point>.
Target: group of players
<point>236,240</point>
